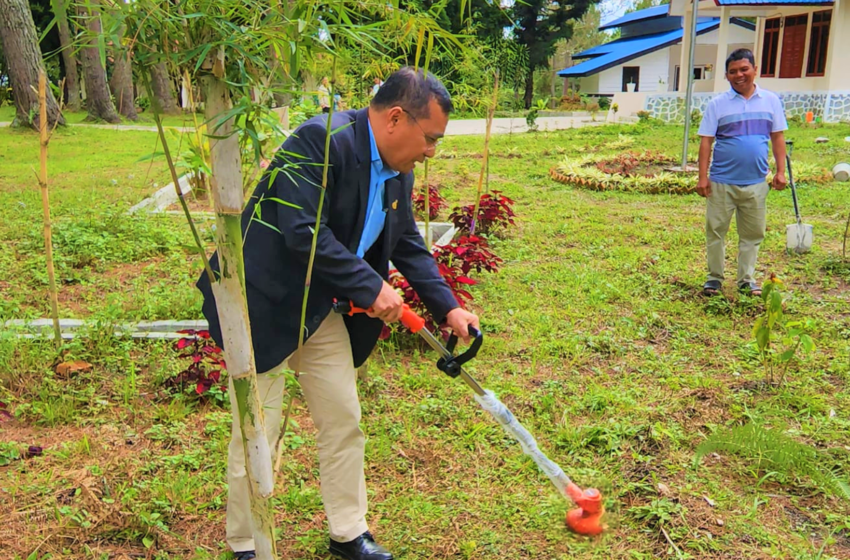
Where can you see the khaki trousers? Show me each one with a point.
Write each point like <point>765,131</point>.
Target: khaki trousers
<point>328,380</point>
<point>748,205</point>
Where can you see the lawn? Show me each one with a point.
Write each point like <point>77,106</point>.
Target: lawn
<point>595,336</point>
<point>7,114</point>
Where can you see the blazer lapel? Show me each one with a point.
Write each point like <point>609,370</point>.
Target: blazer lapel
<point>363,174</point>
<point>392,193</point>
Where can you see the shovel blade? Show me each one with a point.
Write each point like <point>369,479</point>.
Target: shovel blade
<point>798,238</point>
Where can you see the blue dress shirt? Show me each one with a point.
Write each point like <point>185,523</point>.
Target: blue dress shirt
<point>376,214</point>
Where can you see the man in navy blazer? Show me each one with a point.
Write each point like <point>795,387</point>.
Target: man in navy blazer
<point>367,219</point>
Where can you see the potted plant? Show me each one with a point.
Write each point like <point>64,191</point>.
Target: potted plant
<point>707,72</point>
<point>630,87</point>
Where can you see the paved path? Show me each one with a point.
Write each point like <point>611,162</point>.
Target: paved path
<point>457,127</point>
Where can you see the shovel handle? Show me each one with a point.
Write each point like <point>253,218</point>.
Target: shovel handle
<point>408,317</point>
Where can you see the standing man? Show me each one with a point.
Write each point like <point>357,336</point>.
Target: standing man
<point>743,121</point>
<point>325,96</point>
<point>376,85</point>
<point>366,221</point>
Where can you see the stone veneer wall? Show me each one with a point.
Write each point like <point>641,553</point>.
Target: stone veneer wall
<point>830,106</point>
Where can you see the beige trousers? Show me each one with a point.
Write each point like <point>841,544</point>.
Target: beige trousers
<point>328,380</point>
<point>748,205</point>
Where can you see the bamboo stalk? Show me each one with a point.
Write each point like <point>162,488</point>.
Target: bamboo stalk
<point>230,297</point>
<point>45,207</point>
<point>157,115</point>
<point>427,209</point>
<point>484,164</point>
<point>201,182</point>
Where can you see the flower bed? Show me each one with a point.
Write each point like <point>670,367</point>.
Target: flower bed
<point>631,172</point>
<point>643,172</point>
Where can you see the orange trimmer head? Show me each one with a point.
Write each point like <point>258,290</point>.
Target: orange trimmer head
<point>586,519</point>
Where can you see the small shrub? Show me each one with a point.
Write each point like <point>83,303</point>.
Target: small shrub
<point>531,119</point>
<point>771,330</point>
<point>469,252</point>
<point>644,116</point>
<point>495,212</point>
<point>436,202</point>
<point>696,118</point>
<point>604,103</point>
<point>204,372</point>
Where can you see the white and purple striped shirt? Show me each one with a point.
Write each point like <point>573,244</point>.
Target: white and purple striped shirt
<point>742,129</point>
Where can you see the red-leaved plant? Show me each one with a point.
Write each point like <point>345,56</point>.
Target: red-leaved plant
<point>495,212</point>
<point>204,371</point>
<point>4,414</point>
<point>468,252</point>
<point>455,261</point>
<point>436,202</point>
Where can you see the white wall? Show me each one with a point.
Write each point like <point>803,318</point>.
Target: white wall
<point>652,67</point>
<point>589,84</point>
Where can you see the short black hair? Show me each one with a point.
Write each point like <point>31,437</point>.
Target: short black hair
<point>740,54</point>
<point>412,90</point>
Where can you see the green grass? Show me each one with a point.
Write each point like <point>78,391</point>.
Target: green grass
<point>596,338</point>
<point>7,114</point>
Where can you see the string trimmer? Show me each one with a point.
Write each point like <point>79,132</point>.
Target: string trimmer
<point>586,519</point>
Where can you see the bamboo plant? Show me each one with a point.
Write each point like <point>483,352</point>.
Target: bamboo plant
<point>485,168</point>
<point>45,207</point>
<point>232,61</point>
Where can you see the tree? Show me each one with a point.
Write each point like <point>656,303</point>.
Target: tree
<point>72,79</point>
<point>98,101</point>
<point>121,83</point>
<point>163,89</point>
<point>539,26</point>
<point>23,58</point>
<point>586,33</point>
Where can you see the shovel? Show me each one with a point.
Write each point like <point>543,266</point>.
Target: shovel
<point>798,237</point>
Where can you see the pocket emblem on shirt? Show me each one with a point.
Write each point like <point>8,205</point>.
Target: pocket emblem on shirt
<point>395,204</point>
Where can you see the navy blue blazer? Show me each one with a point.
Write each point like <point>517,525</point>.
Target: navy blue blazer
<point>276,254</point>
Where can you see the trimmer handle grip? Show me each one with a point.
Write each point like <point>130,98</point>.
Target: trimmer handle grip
<point>451,366</point>
<point>408,317</point>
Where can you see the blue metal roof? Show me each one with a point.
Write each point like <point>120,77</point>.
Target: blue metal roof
<point>640,15</point>
<point>773,2</point>
<point>622,50</point>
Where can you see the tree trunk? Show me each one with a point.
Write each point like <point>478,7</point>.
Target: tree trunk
<point>98,101</point>
<point>122,80</point>
<point>229,291</point>
<point>23,57</point>
<point>72,78</point>
<point>163,89</point>
<point>529,89</point>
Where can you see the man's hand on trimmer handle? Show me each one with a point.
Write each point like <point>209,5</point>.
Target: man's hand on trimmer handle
<point>459,320</point>
<point>387,306</point>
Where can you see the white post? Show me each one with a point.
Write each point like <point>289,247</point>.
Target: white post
<point>758,44</point>
<point>689,92</point>
<point>836,73</point>
<point>722,43</point>
<point>687,26</point>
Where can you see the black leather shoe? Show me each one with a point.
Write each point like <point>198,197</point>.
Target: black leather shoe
<point>244,555</point>
<point>361,548</point>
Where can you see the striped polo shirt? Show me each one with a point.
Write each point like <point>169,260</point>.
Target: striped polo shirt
<point>742,128</point>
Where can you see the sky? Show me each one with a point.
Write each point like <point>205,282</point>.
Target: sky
<point>612,9</point>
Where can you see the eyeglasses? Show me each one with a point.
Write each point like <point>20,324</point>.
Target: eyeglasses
<point>429,140</point>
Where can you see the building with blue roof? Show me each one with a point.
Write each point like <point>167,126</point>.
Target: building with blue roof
<point>797,46</point>
<point>645,58</point>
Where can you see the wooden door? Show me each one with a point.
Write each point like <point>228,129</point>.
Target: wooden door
<point>793,46</point>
